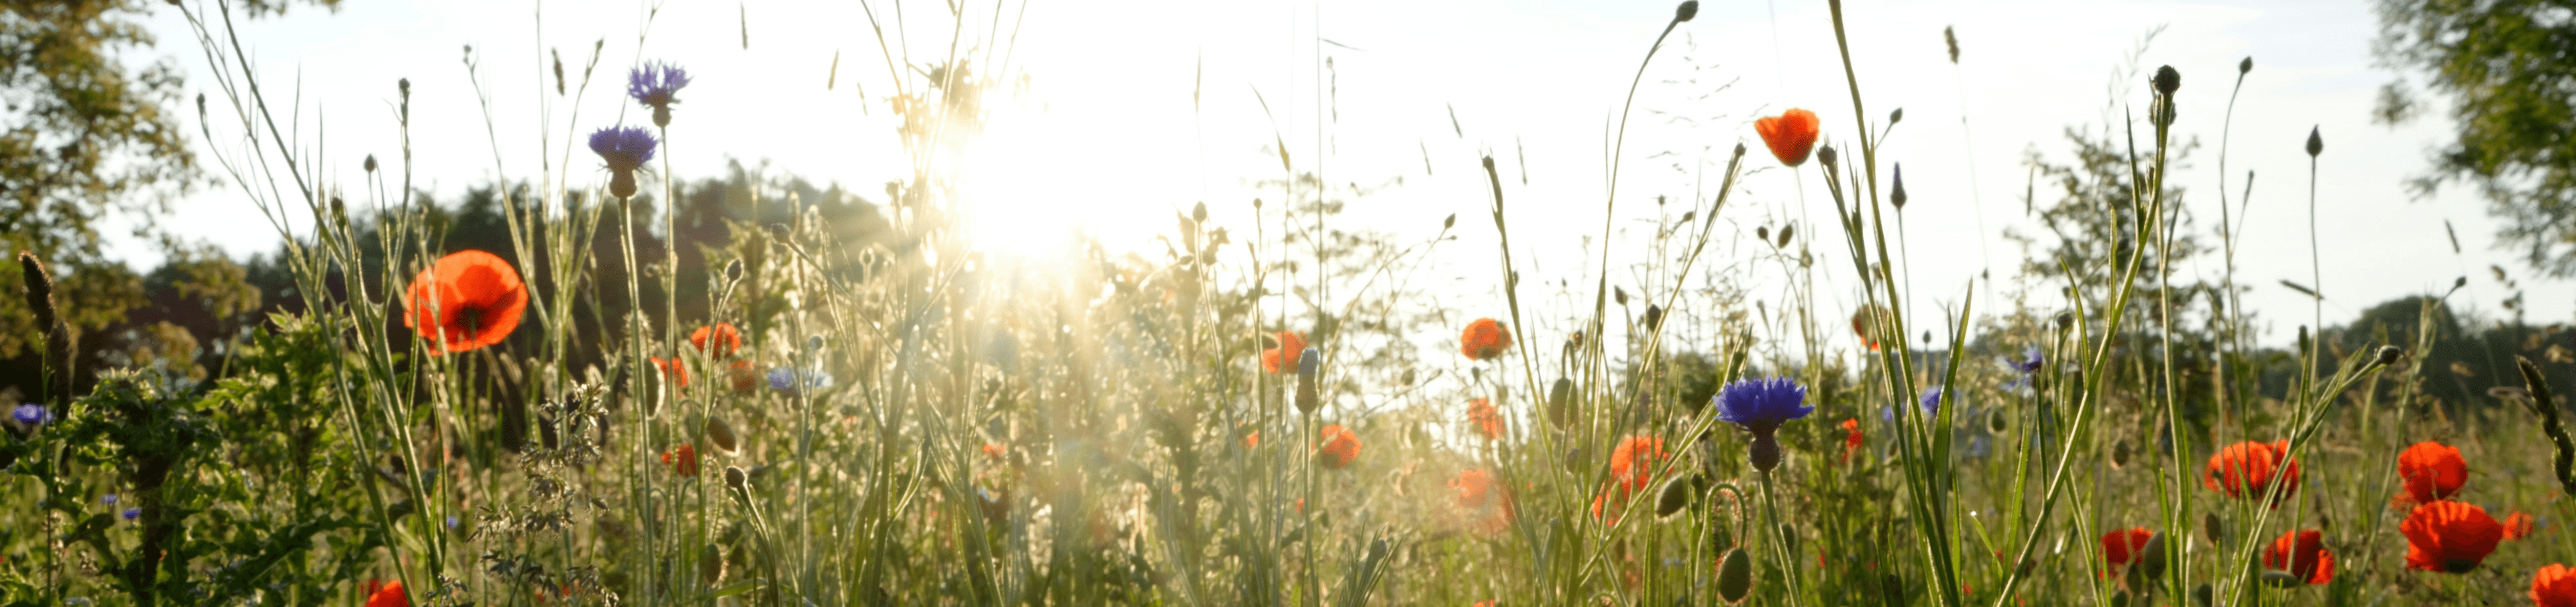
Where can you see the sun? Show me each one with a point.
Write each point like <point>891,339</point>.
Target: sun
<point>1044,176</point>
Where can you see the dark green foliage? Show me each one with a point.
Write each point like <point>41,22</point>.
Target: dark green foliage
<point>2507,67</point>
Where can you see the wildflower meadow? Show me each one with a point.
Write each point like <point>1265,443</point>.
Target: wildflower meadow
<point>610,384</point>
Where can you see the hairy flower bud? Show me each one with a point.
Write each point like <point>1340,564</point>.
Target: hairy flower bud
<point>2167,80</point>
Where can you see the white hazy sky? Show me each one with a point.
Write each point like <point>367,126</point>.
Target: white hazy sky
<point>1105,137</point>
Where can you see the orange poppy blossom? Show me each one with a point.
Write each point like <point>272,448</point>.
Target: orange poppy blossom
<point>1283,359</point>
<point>1337,447</point>
<point>2449,537</point>
<point>2517,526</point>
<point>1632,469</point>
<point>467,300</point>
<point>1487,505</point>
<point>2122,546</point>
<point>718,340</point>
<point>2554,586</point>
<point>1488,421</point>
<point>1790,135</point>
<point>683,460</point>
<point>2245,470</point>
<point>2430,471</point>
<point>2303,554</point>
<point>673,370</point>
<point>391,595</point>
<point>1851,441</point>
<point>1484,339</point>
<point>1862,321</point>
<point>746,377</point>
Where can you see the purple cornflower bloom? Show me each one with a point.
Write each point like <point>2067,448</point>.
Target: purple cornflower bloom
<point>624,148</point>
<point>1761,405</point>
<point>1931,401</point>
<point>107,500</point>
<point>2029,361</point>
<point>1309,363</point>
<point>792,381</point>
<point>655,84</point>
<point>133,513</point>
<point>31,414</point>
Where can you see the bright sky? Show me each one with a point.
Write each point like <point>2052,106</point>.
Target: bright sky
<point>1106,138</point>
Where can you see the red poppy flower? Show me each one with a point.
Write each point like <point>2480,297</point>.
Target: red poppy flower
<point>2517,526</point>
<point>746,378</point>
<point>1632,463</point>
<point>2303,554</point>
<point>993,452</point>
<point>391,595</point>
<point>1488,421</point>
<point>717,341</point>
<point>2119,547</point>
<point>1252,440</point>
<point>469,299</point>
<point>674,370</point>
<point>1487,506</point>
<point>2449,536</point>
<point>2554,586</point>
<point>1338,447</point>
<point>1484,339</point>
<point>1283,359</point>
<point>683,460</point>
<point>2245,470</point>
<point>1851,441</point>
<point>2431,471</point>
<point>1608,506</point>
<point>1791,135</point>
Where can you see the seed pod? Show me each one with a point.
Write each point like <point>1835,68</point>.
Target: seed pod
<point>1654,317</point>
<point>2167,80</point>
<point>711,565</point>
<point>371,163</point>
<point>1688,9</point>
<point>1898,197</point>
<point>1735,576</point>
<point>1675,497</point>
<point>1764,454</point>
<point>721,436</point>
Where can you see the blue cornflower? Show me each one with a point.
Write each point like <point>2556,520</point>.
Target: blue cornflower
<point>31,414</point>
<point>107,500</point>
<point>1760,405</point>
<point>1931,401</point>
<point>792,381</point>
<point>133,513</point>
<point>1309,363</point>
<point>654,84</point>
<point>625,149</point>
<point>2029,361</point>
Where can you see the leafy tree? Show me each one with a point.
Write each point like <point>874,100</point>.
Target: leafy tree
<point>84,135</point>
<point>2510,67</point>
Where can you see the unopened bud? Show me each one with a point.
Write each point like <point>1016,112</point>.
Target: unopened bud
<point>1897,197</point>
<point>735,477</point>
<point>2167,80</point>
<point>1688,9</point>
<point>2388,355</point>
<point>371,163</point>
<point>2315,144</point>
<point>1896,116</point>
<point>1675,496</point>
<point>721,436</point>
<point>1735,576</point>
<point>1827,155</point>
<point>2245,66</point>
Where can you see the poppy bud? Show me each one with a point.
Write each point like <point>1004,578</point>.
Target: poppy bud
<point>1898,197</point>
<point>1788,230</point>
<point>2315,144</point>
<point>813,343</point>
<point>2245,66</point>
<point>1739,149</point>
<point>711,566</point>
<point>2202,595</point>
<point>1763,233</point>
<point>1735,576</point>
<point>1654,317</point>
<point>371,163</point>
<point>1896,116</point>
<point>733,270</point>
<point>721,436</point>
<point>2120,453</point>
<point>1450,222</point>
<point>2065,321</point>
<point>1688,9</point>
<point>1827,155</point>
<point>1675,496</point>
<point>1764,454</point>
<point>2388,355</point>
<point>1620,295</point>
<point>2214,529</point>
<point>1560,401</point>
<point>2167,80</point>
<point>735,477</point>
<point>1995,422</point>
